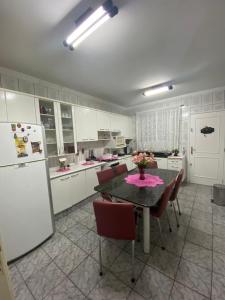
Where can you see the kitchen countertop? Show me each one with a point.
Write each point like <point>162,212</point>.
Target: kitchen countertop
<point>73,169</point>
<point>79,167</point>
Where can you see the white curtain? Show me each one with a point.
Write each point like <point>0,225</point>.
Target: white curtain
<point>158,130</point>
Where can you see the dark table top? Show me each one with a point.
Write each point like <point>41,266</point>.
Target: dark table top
<point>147,196</point>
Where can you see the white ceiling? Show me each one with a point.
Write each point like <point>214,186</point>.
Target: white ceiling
<point>147,43</point>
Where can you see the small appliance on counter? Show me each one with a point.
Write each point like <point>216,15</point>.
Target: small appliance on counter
<point>62,165</point>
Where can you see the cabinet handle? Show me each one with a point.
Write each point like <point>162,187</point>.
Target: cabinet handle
<point>75,175</point>
<point>63,179</point>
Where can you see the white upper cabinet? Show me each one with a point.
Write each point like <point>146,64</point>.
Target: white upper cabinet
<point>20,108</point>
<point>103,121</point>
<point>115,123</point>
<point>86,124</point>
<point>3,112</point>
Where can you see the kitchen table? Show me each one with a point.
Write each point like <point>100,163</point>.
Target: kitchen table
<point>145,198</point>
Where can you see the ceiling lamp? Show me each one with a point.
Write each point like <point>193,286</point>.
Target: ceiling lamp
<point>157,89</point>
<point>90,22</point>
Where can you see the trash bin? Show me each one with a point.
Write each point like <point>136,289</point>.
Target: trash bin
<point>219,194</point>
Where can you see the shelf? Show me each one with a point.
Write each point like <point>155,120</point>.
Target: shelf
<point>67,118</point>
<point>72,142</point>
<point>46,115</point>
<point>103,139</point>
<point>68,130</point>
<point>51,143</point>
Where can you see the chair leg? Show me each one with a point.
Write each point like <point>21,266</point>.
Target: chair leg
<point>174,209</point>
<point>132,261</point>
<point>100,256</point>
<point>168,219</point>
<point>178,205</point>
<point>161,237</point>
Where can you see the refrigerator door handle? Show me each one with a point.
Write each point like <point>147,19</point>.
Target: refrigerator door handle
<point>22,165</point>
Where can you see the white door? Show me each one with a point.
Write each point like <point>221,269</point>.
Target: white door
<point>207,148</point>
<point>6,292</point>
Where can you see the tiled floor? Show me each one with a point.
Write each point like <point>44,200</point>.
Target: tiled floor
<point>191,267</point>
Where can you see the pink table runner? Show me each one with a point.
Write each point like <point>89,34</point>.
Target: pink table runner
<point>150,180</point>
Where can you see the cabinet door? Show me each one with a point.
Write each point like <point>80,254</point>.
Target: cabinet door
<point>115,122</point>
<point>66,127</point>
<point>162,162</point>
<point>103,121</point>
<point>20,108</point>
<point>91,180</point>
<point>86,124</point>
<point>61,194</point>
<point>77,187</point>
<point>49,119</point>
<point>3,113</point>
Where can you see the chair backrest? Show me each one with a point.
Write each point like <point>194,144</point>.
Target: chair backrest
<point>115,220</point>
<point>105,175</point>
<point>120,169</point>
<point>177,185</point>
<point>165,198</point>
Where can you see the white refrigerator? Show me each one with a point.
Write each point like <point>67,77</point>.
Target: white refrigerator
<point>26,218</point>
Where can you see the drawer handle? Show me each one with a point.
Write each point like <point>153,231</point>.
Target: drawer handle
<point>63,179</point>
<point>75,175</point>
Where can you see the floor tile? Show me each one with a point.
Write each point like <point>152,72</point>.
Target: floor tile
<point>122,268</point>
<point>134,296</point>
<point>220,220</point>
<point>109,253</point>
<point>164,261</point>
<point>194,277</point>
<point>109,288</point>
<point>86,275</point>
<point>65,291</point>
<point>172,243</point>
<point>44,280</point>
<point>218,287</point>
<point>219,263</point>
<point>219,230</point>
<point>198,255</point>
<point>33,262</point>
<point>180,292</point>
<point>78,214</point>
<point>199,237</point>
<point>153,284</point>
<point>56,245</point>
<point>139,252</point>
<point>201,225</point>
<point>22,293</point>
<point>68,260</point>
<point>88,242</point>
<point>88,221</point>
<point>64,223</point>
<point>76,232</point>
<point>201,215</point>
<point>203,207</point>
<point>218,244</point>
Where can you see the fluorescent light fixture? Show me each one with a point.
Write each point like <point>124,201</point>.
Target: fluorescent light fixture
<point>91,23</point>
<point>90,30</point>
<point>157,90</point>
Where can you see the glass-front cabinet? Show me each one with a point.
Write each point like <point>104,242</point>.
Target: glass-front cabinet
<point>67,126</point>
<point>58,121</point>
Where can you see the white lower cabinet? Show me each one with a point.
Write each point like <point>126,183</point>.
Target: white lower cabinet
<point>68,190</point>
<point>162,162</point>
<point>91,180</point>
<point>61,193</point>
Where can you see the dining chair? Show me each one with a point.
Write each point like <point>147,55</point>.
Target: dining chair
<point>116,221</point>
<point>120,169</point>
<point>103,177</point>
<point>157,211</point>
<point>174,194</point>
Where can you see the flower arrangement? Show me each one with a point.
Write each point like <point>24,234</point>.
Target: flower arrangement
<point>143,161</point>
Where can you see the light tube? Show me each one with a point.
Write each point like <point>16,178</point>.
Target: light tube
<point>90,30</point>
<point>85,26</point>
<point>156,90</point>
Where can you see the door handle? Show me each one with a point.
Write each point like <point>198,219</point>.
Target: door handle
<point>75,175</point>
<point>192,150</point>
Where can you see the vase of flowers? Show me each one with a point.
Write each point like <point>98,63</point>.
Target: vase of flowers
<point>142,161</point>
